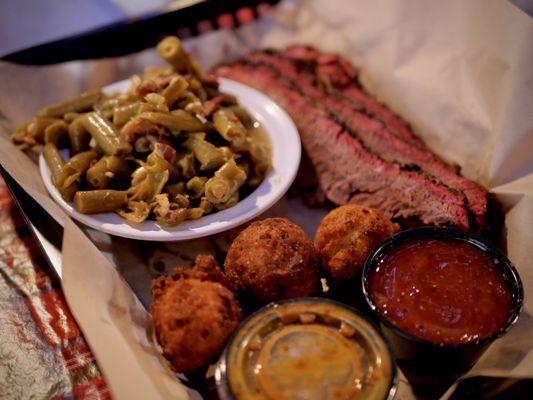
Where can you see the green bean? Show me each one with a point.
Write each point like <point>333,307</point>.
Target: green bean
<point>196,186</point>
<point>71,116</point>
<point>176,188</point>
<point>106,114</point>
<point>145,107</point>
<point>174,90</point>
<point>261,169</point>
<point>147,183</point>
<point>208,154</point>
<point>156,163</point>
<point>76,167</point>
<point>56,133</point>
<point>226,151</point>
<point>53,159</point>
<point>171,51</point>
<point>233,199</point>
<point>187,165</point>
<point>177,120</point>
<point>182,200</point>
<point>157,101</point>
<point>242,114</point>
<point>260,157</point>
<point>83,102</point>
<point>99,201</point>
<point>56,163</point>
<point>218,190</point>
<point>105,135</point>
<point>123,114</point>
<point>168,213</point>
<point>204,208</point>
<point>173,217</point>
<point>195,213</point>
<point>228,99</point>
<point>189,98</point>
<point>206,205</point>
<point>227,180</point>
<point>143,145</point>
<point>229,127</point>
<point>202,94</point>
<point>37,127</point>
<point>136,211</point>
<point>196,69</point>
<point>71,173</point>
<point>194,107</point>
<point>244,164</point>
<point>231,171</point>
<point>79,137</point>
<point>21,138</point>
<point>151,72</point>
<point>195,84</point>
<point>106,104</point>
<point>107,170</point>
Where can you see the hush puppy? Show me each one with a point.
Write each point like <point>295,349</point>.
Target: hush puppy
<point>272,259</point>
<point>347,235</point>
<point>194,312</point>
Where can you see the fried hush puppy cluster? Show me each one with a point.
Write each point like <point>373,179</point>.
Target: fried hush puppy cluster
<point>272,259</point>
<point>347,236</point>
<point>194,312</point>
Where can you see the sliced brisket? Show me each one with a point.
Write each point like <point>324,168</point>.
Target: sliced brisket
<point>339,75</point>
<point>347,171</point>
<point>374,135</point>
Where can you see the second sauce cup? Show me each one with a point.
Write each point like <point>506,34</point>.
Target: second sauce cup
<point>442,297</point>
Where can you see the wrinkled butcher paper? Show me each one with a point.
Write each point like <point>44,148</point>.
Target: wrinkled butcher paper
<point>460,72</point>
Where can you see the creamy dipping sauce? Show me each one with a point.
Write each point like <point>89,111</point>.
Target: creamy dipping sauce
<point>442,291</point>
<point>306,349</point>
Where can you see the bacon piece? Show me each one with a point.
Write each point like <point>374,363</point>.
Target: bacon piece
<point>153,85</point>
<point>139,127</point>
<point>165,151</point>
<point>210,106</point>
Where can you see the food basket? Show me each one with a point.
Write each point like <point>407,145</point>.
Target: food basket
<point>196,19</point>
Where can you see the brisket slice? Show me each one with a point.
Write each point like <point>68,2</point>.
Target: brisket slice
<point>339,75</point>
<point>376,137</point>
<point>347,172</point>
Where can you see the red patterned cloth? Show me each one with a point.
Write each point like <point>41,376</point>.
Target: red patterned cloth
<point>42,351</point>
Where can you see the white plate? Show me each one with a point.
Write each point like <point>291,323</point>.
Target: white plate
<point>286,152</point>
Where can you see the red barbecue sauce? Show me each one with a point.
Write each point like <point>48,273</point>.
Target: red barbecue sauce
<point>446,292</point>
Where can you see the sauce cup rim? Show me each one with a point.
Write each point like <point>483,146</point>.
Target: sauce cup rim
<point>504,264</point>
<point>221,375</point>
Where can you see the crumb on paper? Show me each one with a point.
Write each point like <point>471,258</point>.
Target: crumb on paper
<point>346,330</point>
<point>255,343</point>
<point>307,318</point>
<point>324,283</point>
